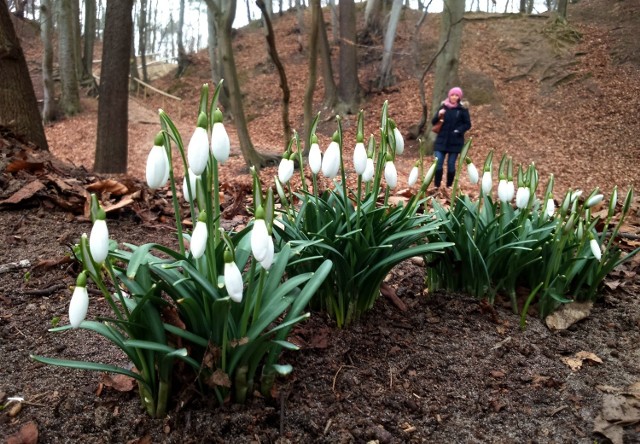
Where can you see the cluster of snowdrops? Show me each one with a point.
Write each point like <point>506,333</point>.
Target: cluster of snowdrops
<point>237,295</point>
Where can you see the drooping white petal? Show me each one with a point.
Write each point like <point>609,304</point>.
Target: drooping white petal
<point>359,158</point>
<point>220,144</point>
<point>472,171</point>
<point>550,207</point>
<point>390,174</point>
<point>285,170</point>
<point>199,239</point>
<point>268,260</point>
<point>233,281</point>
<point>399,141</point>
<point>185,190</point>
<point>167,168</point>
<point>487,182</point>
<point>331,160</point>
<point>511,191</point>
<point>78,306</point>
<point>503,191</point>
<point>315,158</point>
<point>198,151</point>
<point>259,240</point>
<point>413,176</point>
<point>430,173</point>
<point>575,195</point>
<point>595,249</point>
<point>594,200</point>
<point>156,167</point>
<point>367,175</point>
<point>99,241</point>
<point>522,197</point>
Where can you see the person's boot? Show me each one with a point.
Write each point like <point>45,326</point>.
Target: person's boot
<point>437,179</point>
<point>450,177</point>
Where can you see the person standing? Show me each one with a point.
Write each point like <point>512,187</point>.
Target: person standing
<point>450,139</point>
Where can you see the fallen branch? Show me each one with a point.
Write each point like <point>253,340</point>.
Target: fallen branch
<point>24,263</point>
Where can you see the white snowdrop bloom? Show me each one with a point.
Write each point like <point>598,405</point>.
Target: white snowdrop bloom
<point>367,175</point>
<point>595,249</point>
<point>575,194</point>
<point>399,141</point>
<point>487,183</point>
<point>430,173</point>
<point>550,208</point>
<point>331,160</point>
<point>157,166</point>
<point>199,239</point>
<point>511,191</point>
<point>390,174</point>
<point>268,260</point>
<point>220,144</point>
<point>413,176</point>
<point>79,302</point>
<point>503,191</point>
<point>359,158</point>
<point>472,172</point>
<point>99,241</point>
<point>233,281</point>
<point>315,158</point>
<point>259,239</point>
<point>522,197</point>
<point>198,151</point>
<point>285,170</point>
<point>185,189</point>
<point>594,200</point>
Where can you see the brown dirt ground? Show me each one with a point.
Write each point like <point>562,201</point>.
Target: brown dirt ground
<point>448,369</point>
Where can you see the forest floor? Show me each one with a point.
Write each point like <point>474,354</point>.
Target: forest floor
<point>436,367</point>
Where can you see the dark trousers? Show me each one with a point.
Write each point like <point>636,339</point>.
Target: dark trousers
<point>451,167</point>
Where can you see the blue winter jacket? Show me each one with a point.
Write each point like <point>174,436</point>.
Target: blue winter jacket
<point>451,136</point>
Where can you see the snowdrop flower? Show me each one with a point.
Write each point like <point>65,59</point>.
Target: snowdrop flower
<point>199,237</point>
<point>285,169</point>
<point>198,150</point>
<point>315,157</point>
<point>595,248</point>
<point>390,174</point>
<point>510,191</point>
<point>367,175</point>
<point>157,165</point>
<point>399,140</point>
<point>99,238</point>
<point>79,301</point>
<point>232,278</point>
<point>594,200</point>
<point>268,260</point>
<point>413,176</point>
<point>331,160</point>
<point>503,191</point>
<point>360,158</point>
<point>220,144</point>
<point>522,197</point>
<point>550,207</point>
<point>430,173</point>
<point>259,237</point>
<point>575,194</point>
<point>193,182</point>
<point>472,171</point>
<point>487,182</point>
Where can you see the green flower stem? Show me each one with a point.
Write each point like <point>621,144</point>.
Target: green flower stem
<point>247,305</point>
<point>164,388</point>
<point>258,302</point>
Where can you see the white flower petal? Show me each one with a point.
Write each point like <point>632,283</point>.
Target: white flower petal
<point>268,260</point>
<point>199,239</point>
<point>331,160</point>
<point>185,190</point>
<point>595,249</point>
<point>413,176</point>
<point>198,151</point>
<point>487,183</point>
<point>259,240</point>
<point>511,191</point>
<point>550,207</point>
<point>390,174</point>
<point>99,241</point>
<point>367,175</point>
<point>359,158</point>
<point>503,191</point>
<point>285,170</point>
<point>594,200</point>
<point>472,171</point>
<point>399,141</point>
<point>78,306</point>
<point>315,158</point>
<point>156,167</point>
<point>233,281</point>
<point>220,144</point>
<point>522,197</point>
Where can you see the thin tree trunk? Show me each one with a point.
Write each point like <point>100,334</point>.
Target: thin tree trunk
<point>330,88</point>
<point>386,77</point>
<point>49,109</point>
<point>142,39</point>
<point>316,18</point>
<point>70,100</point>
<point>349,88</point>
<point>89,38</point>
<point>183,60</point>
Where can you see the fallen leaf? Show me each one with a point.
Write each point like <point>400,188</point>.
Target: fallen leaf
<point>28,434</point>
<point>121,383</point>
<point>568,314</point>
<point>20,164</point>
<point>219,379</point>
<point>575,362</point>
<point>26,192</point>
<point>110,186</point>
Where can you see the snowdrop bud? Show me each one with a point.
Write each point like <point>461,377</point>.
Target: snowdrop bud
<point>390,174</point>
<point>510,191</point>
<point>331,160</point>
<point>220,144</point>
<point>232,278</point>
<point>79,301</point>
<point>285,169</point>
<point>360,158</point>
<point>487,182</point>
<point>399,141</point>
<point>413,176</point>
<point>367,175</point>
<point>157,165</point>
<point>199,237</point>
<point>595,248</point>
<point>550,207</point>
<point>268,260</point>
<point>503,191</point>
<point>472,171</point>
<point>522,197</point>
<point>594,200</point>
<point>99,238</point>
<point>198,150</point>
<point>185,189</point>
<point>259,237</point>
<point>575,195</point>
<point>430,173</point>
<point>613,201</point>
<point>315,158</point>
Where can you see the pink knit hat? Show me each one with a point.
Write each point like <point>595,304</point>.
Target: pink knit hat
<point>455,90</point>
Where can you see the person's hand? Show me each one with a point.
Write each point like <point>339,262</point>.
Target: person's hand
<point>441,113</point>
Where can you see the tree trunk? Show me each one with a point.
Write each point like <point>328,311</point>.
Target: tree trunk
<point>183,60</point>
<point>111,149</point>
<point>373,17</point>
<point>133,65</point>
<point>217,72</point>
<point>349,89</point>
<point>284,85</point>
<point>448,60</point>
<point>19,110</point>
<point>142,39</point>
<point>77,38</point>
<point>89,38</point>
<point>562,8</point>
<point>49,108</point>
<point>334,21</point>
<point>386,77</point>
<point>330,89</point>
<point>316,18</point>
<point>70,100</point>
